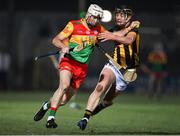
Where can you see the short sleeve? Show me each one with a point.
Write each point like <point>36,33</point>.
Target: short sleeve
<point>67,31</point>
<point>134,30</point>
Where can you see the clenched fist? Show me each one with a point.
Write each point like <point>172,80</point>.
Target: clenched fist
<point>135,24</point>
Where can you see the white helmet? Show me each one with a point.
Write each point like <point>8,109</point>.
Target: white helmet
<point>95,10</point>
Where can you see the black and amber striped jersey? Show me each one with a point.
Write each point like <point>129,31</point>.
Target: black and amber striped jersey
<point>127,55</point>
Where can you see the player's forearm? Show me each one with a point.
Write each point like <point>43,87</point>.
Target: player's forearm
<point>123,40</point>
<point>58,43</point>
<point>126,31</point>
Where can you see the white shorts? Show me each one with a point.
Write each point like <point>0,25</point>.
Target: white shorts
<point>121,84</point>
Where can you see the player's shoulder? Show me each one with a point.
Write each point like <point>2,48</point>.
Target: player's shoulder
<point>76,21</point>
<point>136,30</point>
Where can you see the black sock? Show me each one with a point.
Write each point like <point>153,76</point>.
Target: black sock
<point>87,114</point>
<point>100,107</point>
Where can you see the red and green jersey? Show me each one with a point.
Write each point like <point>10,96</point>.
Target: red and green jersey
<point>81,39</point>
<point>157,61</point>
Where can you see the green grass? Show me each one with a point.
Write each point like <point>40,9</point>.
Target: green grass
<point>131,114</point>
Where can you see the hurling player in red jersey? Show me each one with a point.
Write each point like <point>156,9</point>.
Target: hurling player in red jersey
<point>82,35</point>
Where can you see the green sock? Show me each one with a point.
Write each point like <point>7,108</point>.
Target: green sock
<point>52,111</point>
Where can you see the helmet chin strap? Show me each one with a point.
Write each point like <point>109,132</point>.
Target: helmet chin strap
<point>127,19</point>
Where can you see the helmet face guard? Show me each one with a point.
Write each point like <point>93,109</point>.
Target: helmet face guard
<point>95,10</point>
<point>92,20</point>
<point>94,14</point>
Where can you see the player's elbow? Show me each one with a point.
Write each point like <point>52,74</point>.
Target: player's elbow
<point>54,41</point>
<point>129,41</point>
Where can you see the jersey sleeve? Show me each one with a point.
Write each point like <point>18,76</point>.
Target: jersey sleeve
<point>134,30</point>
<point>67,31</point>
<point>103,29</point>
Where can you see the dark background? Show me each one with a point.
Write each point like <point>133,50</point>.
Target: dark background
<point>72,6</point>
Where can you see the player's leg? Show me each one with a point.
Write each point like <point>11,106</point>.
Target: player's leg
<point>120,85</point>
<point>107,100</point>
<point>74,104</point>
<point>106,79</point>
<point>47,104</point>
<point>67,97</point>
<point>64,84</point>
<point>66,79</point>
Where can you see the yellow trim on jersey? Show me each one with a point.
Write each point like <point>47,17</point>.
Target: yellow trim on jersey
<point>127,55</point>
<point>115,54</point>
<point>137,42</point>
<point>122,54</point>
<point>67,31</point>
<point>137,45</point>
<point>130,50</point>
<point>84,40</point>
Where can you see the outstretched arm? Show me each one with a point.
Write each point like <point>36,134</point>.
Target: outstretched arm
<point>127,39</point>
<point>123,36</point>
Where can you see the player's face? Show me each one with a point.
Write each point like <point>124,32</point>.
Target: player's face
<point>92,20</point>
<point>121,19</point>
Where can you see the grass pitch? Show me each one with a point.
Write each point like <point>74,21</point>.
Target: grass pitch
<point>131,114</point>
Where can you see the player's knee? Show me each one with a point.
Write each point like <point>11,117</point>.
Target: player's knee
<point>99,87</point>
<point>104,79</point>
<point>102,84</point>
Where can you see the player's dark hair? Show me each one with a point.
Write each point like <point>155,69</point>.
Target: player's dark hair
<point>124,9</point>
